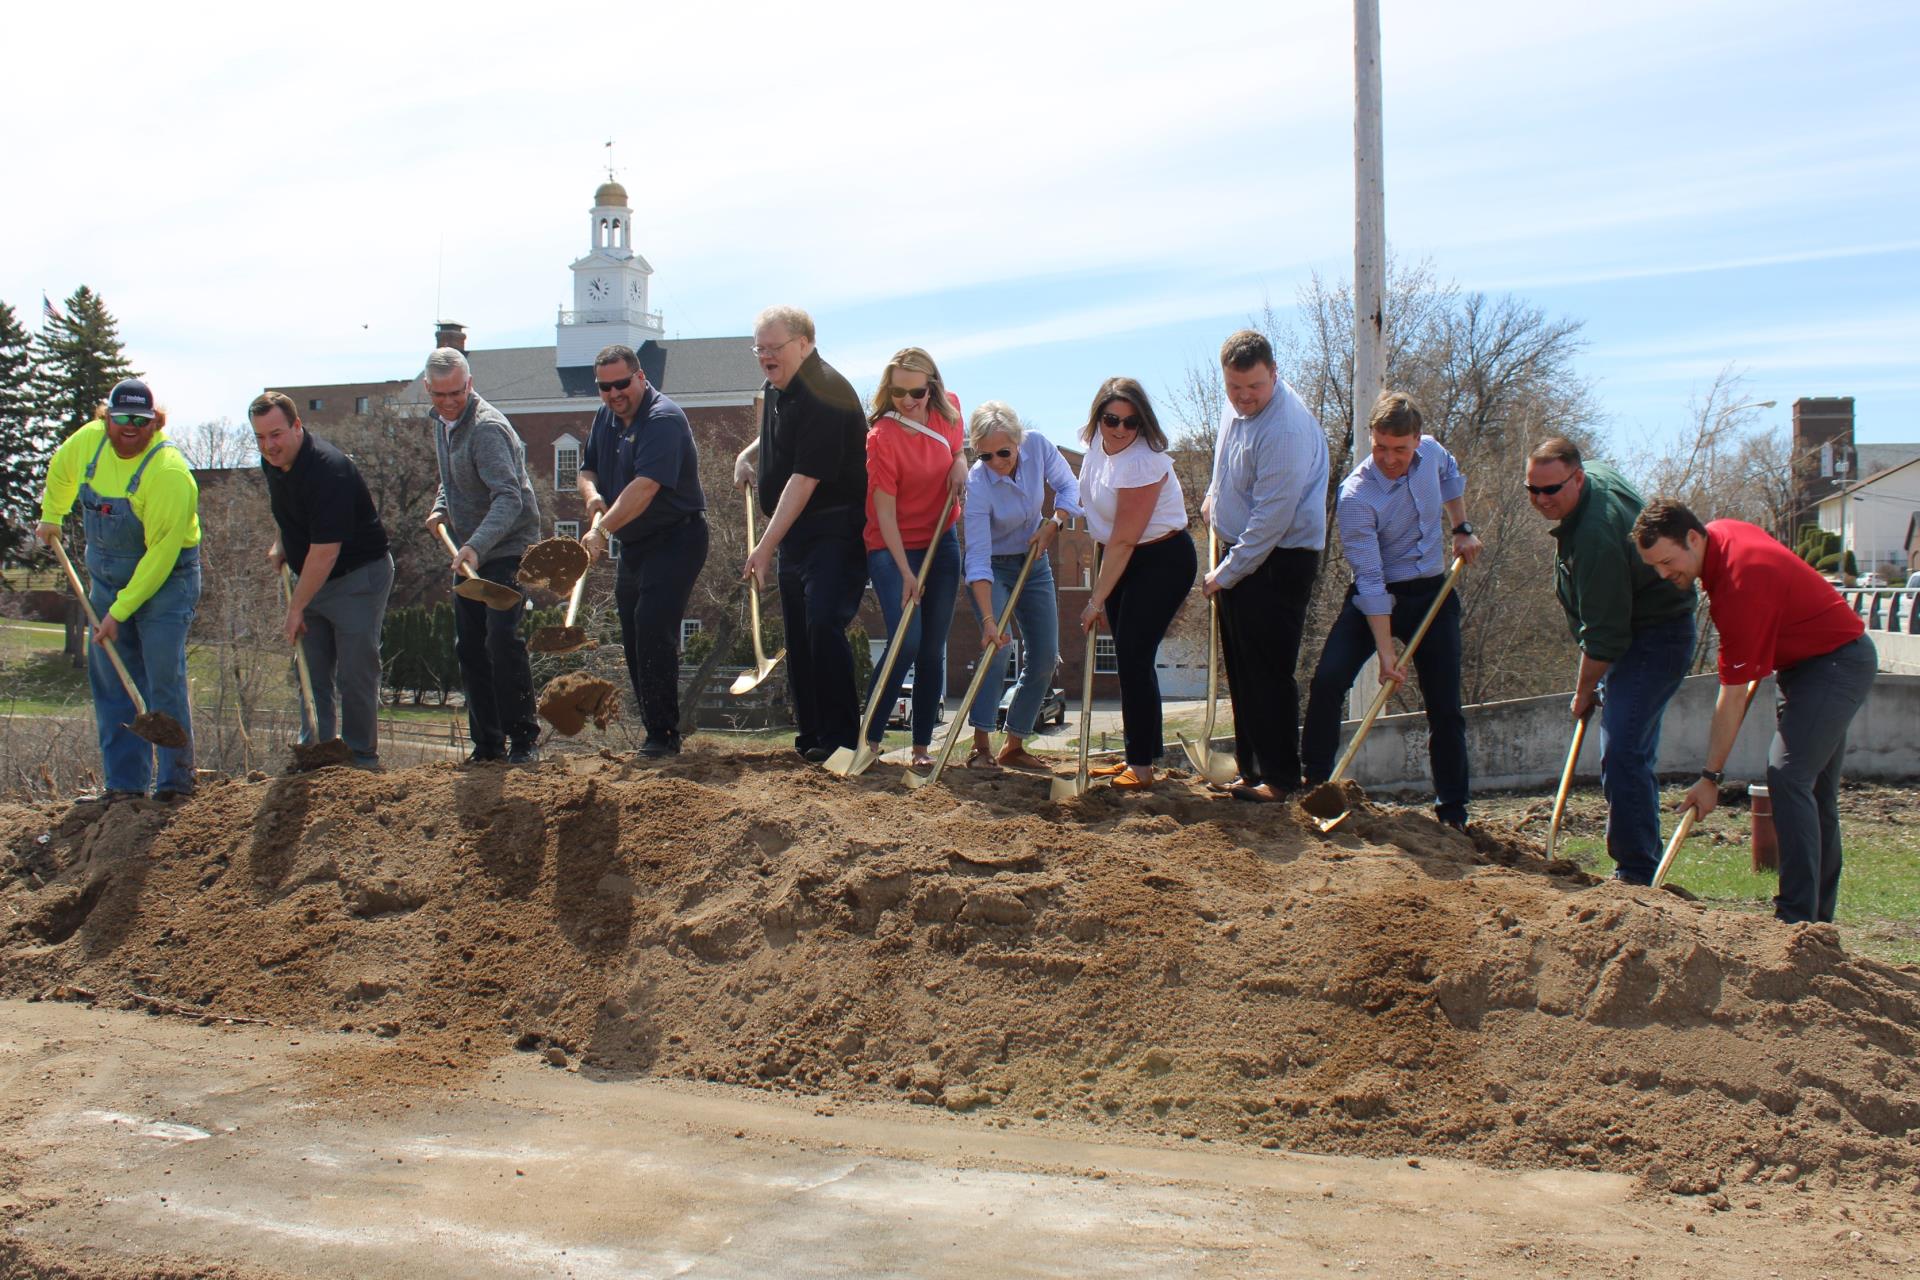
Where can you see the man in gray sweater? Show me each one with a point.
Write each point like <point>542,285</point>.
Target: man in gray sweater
<point>487,503</point>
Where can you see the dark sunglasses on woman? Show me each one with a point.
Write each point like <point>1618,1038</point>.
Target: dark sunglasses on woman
<point>918,393</point>
<point>1118,423</point>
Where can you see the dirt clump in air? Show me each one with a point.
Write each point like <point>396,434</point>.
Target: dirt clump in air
<point>1168,964</point>
<point>568,702</point>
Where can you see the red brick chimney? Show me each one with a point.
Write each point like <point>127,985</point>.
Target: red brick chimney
<point>448,334</point>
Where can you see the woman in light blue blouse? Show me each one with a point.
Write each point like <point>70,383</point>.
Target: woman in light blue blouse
<point>1006,494</point>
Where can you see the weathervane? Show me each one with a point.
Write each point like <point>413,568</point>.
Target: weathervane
<point>609,159</point>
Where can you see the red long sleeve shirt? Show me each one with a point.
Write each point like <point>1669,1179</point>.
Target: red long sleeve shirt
<point>1771,608</point>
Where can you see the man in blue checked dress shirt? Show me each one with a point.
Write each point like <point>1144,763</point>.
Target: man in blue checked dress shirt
<point>1268,501</point>
<point>1392,512</point>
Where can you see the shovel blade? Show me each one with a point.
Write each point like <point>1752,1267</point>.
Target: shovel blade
<point>1196,755</point>
<point>159,728</point>
<point>553,564</point>
<point>848,761</point>
<point>1329,803</point>
<point>748,681</point>
<point>1065,788</point>
<point>916,780</point>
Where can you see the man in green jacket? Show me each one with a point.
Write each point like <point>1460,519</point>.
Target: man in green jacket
<point>1635,632</point>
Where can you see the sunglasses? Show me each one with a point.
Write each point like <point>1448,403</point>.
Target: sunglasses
<point>1547,490</point>
<point>918,393</point>
<point>131,419</point>
<point>998,453</point>
<point>1129,423</point>
<point>620,384</point>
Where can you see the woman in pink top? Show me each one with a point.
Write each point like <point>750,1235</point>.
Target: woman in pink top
<point>915,458</point>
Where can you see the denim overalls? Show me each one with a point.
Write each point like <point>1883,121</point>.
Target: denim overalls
<point>152,643</point>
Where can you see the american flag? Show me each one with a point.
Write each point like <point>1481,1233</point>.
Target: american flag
<point>46,309</point>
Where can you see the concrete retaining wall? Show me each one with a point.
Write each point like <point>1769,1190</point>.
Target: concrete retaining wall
<point>1522,744</point>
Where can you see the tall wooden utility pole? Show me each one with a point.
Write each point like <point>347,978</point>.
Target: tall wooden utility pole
<point>1369,250</point>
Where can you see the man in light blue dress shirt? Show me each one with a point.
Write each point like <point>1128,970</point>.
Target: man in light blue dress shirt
<point>1392,512</point>
<point>1268,501</point>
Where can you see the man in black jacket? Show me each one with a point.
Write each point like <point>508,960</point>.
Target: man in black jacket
<point>811,460</point>
<point>331,536</point>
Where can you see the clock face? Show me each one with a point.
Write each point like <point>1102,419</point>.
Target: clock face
<point>598,289</point>
<point>633,291</point>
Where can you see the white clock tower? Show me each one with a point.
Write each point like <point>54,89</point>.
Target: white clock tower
<point>609,287</point>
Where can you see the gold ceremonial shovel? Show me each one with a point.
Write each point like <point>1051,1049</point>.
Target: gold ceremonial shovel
<point>980,669</point>
<point>1076,785</point>
<point>491,594</point>
<point>566,637</point>
<point>157,727</point>
<point>1328,804</point>
<point>748,681</point>
<point>850,761</point>
<point>1207,762</point>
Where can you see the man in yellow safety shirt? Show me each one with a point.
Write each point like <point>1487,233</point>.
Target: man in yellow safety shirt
<point>140,509</point>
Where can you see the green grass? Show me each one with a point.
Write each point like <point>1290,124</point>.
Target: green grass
<point>35,679</point>
<point>1879,911</point>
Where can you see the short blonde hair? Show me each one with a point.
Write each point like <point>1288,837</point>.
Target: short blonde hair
<point>994,417</point>
<point>796,322</point>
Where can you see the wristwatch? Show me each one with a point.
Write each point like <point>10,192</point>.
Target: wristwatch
<point>1711,775</point>
<point>1463,530</point>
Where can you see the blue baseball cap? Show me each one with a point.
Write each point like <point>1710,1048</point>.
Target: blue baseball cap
<point>130,396</point>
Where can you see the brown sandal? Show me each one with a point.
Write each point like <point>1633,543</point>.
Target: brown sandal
<point>982,758</point>
<point>1021,759</point>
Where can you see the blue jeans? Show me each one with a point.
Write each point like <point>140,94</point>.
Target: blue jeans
<point>1350,647</point>
<point>1817,699</point>
<point>1038,618</point>
<point>153,644</point>
<point>1634,695</point>
<point>924,647</point>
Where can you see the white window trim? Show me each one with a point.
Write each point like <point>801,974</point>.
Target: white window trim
<point>1106,659</point>
<point>689,628</point>
<point>560,446</point>
<point>566,528</point>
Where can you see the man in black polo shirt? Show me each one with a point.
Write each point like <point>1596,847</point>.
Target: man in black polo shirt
<point>642,448</point>
<point>332,537</point>
<point>812,464</point>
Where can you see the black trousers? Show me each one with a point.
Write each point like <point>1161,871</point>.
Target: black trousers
<point>493,665</point>
<point>1262,617</point>
<point>1140,609</point>
<point>823,574</point>
<point>651,589</point>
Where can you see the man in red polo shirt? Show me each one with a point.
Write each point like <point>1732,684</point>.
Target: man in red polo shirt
<point>1776,617</point>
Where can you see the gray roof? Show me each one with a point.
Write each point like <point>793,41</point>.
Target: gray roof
<point>1872,459</point>
<point>678,366</point>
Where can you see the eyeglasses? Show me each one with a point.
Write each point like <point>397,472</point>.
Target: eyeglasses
<point>619,385</point>
<point>759,350</point>
<point>998,453</point>
<point>1548,490</point>
<point>131,419</point>
<point>918,393</point>
<point>1129,423</point>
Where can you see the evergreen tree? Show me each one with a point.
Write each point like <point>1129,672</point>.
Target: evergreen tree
<point>77,358</point>
<point>25,443</point>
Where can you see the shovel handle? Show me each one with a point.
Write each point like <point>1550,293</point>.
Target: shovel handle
<point>1406,655</point>
<point>300,654</point>
<point>981,667</point>
<point>1680,833</point>
<point>1566,781</point>
<point>447,539</point>
<point>579,583</point>
<point>93,619</point>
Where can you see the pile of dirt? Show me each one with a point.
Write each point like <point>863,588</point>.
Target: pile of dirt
<point>1168,963</point>
<point>308,756</point>
<point>568,702</point>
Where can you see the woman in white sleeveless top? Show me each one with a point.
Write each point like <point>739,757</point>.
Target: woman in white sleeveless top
<point>1138,514</point>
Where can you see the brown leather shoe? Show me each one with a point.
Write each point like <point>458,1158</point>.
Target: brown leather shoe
<point>1128,780</point>
<point>1107,770</point>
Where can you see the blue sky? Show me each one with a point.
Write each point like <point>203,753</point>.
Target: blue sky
<point>1040,194</point>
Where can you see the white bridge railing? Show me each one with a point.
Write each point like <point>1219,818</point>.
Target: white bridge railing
<point>1895,609</point>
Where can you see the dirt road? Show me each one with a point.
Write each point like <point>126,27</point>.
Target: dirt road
<point>144,1146</point>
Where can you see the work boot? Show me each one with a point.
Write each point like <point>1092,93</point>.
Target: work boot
<point>523,753</point>
<point>486,755</point>
<point>658,746</point>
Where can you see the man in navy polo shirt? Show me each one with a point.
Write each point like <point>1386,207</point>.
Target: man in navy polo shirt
<point>641,448</point>
<point>331,536</point>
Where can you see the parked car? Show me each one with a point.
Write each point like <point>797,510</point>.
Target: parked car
<point>901,717</point>
<point>1052,707</point>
